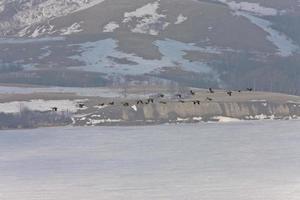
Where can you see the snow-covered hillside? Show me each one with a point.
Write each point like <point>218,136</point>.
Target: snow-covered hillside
<point>160,38</point>
<point>18,15</point>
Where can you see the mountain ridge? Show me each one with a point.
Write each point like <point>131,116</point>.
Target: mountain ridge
<point>235,41</point>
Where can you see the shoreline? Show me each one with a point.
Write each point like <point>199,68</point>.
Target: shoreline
<point>167,123</point>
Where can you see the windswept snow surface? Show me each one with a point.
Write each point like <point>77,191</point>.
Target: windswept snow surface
<point>238,161</point>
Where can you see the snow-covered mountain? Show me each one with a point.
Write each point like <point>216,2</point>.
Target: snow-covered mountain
<point>194,42</point>
<point>18,15</point>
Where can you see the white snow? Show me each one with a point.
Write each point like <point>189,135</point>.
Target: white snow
<point>254,8</point>
<point>38,31</point>
<point>261,117</point>
<point>179,119</point>
<point>149,21</point>
<point>96,116</point>
<point>258,100</point>
<point>197,118</point>
<point>100,107</point>
<point>94,122</point>
<point>226,119</point>
<point>110,27</point>
<point>39,105</point>
<point>217,161</point>
<point>1,8</point>
<point>180,19</point>
<point>74,28</point>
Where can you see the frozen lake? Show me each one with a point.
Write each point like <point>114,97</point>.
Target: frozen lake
<point>236,161</point>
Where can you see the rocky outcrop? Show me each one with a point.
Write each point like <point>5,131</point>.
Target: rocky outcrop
<point>189,112</point>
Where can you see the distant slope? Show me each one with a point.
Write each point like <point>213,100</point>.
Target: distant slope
<point>219,43</point>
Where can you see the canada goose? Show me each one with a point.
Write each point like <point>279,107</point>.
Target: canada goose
<point>179,96</point>
<point>192,92</point>
<point>229,93</point>
<point>81,105</point>
<point>211,90</point>
<point>209,99</point>
<point>161,95</point>
<point>101,104</point>
<point>249,89</point>
<point>54,109</point>
<point>126,104</point>
<point>196,102</point>
<point>139,102</point>
<point>150,100</point>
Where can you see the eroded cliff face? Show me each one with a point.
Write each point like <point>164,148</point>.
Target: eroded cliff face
<point>189,112</point>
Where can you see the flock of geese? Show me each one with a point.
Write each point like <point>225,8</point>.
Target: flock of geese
<point>160,99</point>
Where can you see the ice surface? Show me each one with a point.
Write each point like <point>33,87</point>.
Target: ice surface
<point>236,161</point>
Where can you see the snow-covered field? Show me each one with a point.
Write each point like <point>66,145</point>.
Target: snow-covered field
<point>238,161</point>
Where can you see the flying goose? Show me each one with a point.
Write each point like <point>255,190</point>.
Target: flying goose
<point>139,102</point>
<point>229,93</point>
<point>81,105</point>
<point>196,102</point>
